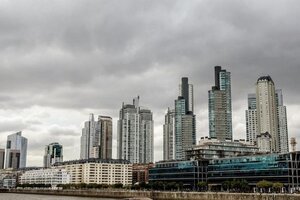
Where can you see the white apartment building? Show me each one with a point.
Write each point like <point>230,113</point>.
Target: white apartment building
<point>51,176</point>
<point>98,171</point>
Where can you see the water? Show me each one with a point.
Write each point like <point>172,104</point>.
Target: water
<point>9,196</point>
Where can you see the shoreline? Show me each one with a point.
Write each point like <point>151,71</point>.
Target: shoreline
<point>157,195</point>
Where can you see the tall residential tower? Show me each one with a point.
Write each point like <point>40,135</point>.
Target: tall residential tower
<point>219,106</point>
<point>135,133</point>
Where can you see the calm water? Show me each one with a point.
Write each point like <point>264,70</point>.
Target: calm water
<point>5,196</point>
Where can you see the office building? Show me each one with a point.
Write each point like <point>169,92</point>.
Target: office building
<point>185,121</point>
<point>209,148</point>
<point>51,177</point>
<point>96,139</point>
<point>140,173</point>
<point>2,158</point>
<point>99,171</point>
<point>16,151</point>
<point>188,173</point>
<point>219,106</point>
<point>283,168</point>
<point>169,135</point>
<point>135,133</point>
<point>53,154</point>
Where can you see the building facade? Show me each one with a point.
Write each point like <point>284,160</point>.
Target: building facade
<point>283,168</point>
<point>98,171</point>
<point>96,139</point>
<point>251,119</point>
<point>219,106</point>
<point>185,121</point>
<point>140,173</point>
<point>213,149</point>
<point>16,151</point>
<point>169,135</point>
<point>135,133</point>
<point>51,177</point>
<point>53,154</point>
<point>186,172</point>
<point>264,142</point>
<point>2,158</point>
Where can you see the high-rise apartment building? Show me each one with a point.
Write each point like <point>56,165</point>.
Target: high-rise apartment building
<point>267,109</point>
<point>16,151</point>
<point>2,158</point>
<point>185,121</point>
<point>251,119</point>
<point>219,105</point>
<point>53,154</point>
<point>135,133</point>
<point>169,135</point>
<point>267,114</point>
<point>96,139</point>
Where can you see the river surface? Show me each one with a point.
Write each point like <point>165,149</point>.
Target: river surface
<point>9,196</point>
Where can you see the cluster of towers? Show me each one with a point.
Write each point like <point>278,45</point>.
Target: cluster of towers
<point>266,117</point>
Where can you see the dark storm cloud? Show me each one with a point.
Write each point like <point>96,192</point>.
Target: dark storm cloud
<point>93,55</point>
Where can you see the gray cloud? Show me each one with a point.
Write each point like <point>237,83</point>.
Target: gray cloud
<point>85,56</point>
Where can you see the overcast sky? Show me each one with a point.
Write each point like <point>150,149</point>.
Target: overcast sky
<point>61,60</point>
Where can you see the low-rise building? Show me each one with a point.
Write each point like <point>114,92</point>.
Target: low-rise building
<point>209,148</point>
<point>186,172</point>
<point>99,171</point>
<point>49,176</point>
<point>140,173</point>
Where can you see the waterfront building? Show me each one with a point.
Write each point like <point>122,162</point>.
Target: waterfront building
<point>264,142</point>
<point>140,173</point>
<point>219,106</point>
<point>282,123</point>
<point>135,133</point>
<point>283,168</point>
<point>251,119</point>
<point>99,171</point>
<point>210,148</point>
<point>186,172</point>
<point>96,139</point>
<point>16,151</point>
<point>267,113</point>
<point>2,158</point>
<point>50,176</point>
<point>53,154</point>
<point>169,135</point>
<point>185,121</point>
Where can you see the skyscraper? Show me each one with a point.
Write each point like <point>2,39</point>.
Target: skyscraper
<point>185,120</point>
<point>16,151</point>
<point>2,158</point>
<point>251,119</point>
<point>169,135</point>
<point>267,109</point>
<point>96,139</point>
<point>219,105</point>
<point>53,154</point>
<point>135,133</point>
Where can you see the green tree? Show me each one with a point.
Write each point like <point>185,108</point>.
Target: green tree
<point>202,186</point>
<point>277,186</point>
<point>265,185</point>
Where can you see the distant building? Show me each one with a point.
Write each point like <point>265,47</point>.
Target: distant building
<point>96,139</point>
<point>53,154</point>
<point>140,173</point>
<point>2,158</point>
<point>251,120</point>
<point>213,149</point>
<point>135,133</point>
<point>219,106</point>
<point>107,171</point>
<point>185,121</point>
<point>51,177</point>
<point>169,135</point>
<point>264,142</point>
<point>16,151</point>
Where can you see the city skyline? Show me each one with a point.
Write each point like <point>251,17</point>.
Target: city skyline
<point>60,62</point>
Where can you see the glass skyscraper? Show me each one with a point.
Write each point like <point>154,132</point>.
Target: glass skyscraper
<point>53,154</point>
<point>219,106</point>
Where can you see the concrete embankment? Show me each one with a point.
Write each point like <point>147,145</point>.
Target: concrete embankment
<point>157,195</point>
